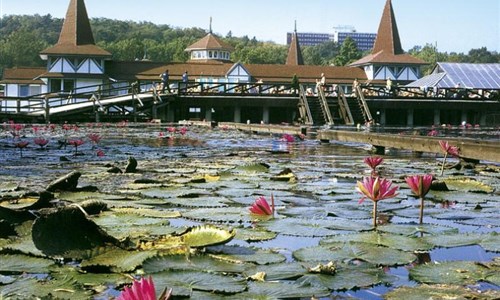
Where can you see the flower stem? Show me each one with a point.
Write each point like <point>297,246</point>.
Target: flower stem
<point>444,161</point>
<point>421,210</point>
<point>375,214</point>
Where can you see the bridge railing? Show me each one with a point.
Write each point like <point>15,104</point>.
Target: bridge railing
<point>430,93</point>
<point>240,89</point>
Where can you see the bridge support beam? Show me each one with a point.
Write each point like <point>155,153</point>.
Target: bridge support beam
<point>237,114</point>
<point>265,115</point>
<point>208,114</point>
<point>437,117</point>
<point>409,117</point>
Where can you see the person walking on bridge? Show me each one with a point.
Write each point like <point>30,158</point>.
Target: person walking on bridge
<point>164,82</point>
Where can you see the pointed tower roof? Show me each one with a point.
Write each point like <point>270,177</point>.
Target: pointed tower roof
<point>210,42</point>
<point>387,48</point>
<point>294,57</point>
<point>76,36</point>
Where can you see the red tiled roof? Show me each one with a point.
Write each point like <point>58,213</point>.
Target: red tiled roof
<point>22,75</point>
<point>387,48</point>
<point>76,36</point>
<point>143,70</point>
<point>210,42</point>
<point>305,73</point>
<point>294,53</point>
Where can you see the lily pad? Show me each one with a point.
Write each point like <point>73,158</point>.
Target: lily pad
<point>207,235</point>
<point>467,185</point>
<point>191,263</point>
<point>285,290</point>
<point>273,272</point>
<point>439,291</point>
<point>393,241</point>
<point>456,272</point>
<point>490,241</point>
<point>30,288</point>
<point>18,264</point>
<point>240,254</point>
<point>117,260</point>
<point>350,277</point>
<point>58,231</point>
<point>200,281</point>
<point>345,252</point>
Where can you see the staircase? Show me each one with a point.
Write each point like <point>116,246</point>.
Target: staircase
<point>365,110</point>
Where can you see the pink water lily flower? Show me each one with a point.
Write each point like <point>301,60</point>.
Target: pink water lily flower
<point>288,138</point>
<point>94,138</point>
<point>143,290</point>
<point>448,149</point>
<point>420,186</point>
<point>261,207</point>
<point>376,189</point>
<point>41,142</point>
<point>373,162</point>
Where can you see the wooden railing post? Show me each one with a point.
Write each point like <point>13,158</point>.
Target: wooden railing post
<point>47,109</point>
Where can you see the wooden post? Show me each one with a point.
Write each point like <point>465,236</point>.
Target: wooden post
<point>47,109</point>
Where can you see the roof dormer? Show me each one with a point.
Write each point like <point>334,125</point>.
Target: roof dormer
<point>210,48</point>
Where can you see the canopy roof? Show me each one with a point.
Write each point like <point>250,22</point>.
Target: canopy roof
<point>468,75</point>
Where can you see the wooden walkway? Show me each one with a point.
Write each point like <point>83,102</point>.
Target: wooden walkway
<point>476,149</point>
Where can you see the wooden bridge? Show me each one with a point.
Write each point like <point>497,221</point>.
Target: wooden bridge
<point>310,106</point>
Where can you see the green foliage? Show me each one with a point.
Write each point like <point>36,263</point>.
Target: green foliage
<point>22,37</point>
<point>348,53</point>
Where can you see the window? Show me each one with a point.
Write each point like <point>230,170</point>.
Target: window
<point>24,90</point>
<point>195,109</point>
<point>210,54</point>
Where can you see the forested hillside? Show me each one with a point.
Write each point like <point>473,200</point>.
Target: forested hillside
<point>23,37</point>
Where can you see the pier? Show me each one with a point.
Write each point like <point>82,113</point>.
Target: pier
<point>470,149</point>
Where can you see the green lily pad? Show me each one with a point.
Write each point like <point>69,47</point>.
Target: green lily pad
<point>344,252</point>
<point>219,215</point>
<point>17,263</point>
<point>350,277</point>
<point>240,254</point>
<point>314,227</point>
<point>275,272</point>
<point>30,288</point>
<point>255,234</point>
<point>117,260</point>
<point>490,241</point>
<point>413,229</point>
<point>455,272</point>
<point>58,231</point>
<point>467,185</point>
<point>200,281</point>
<point>285,290</point>
<point>438,291</point>
<point>191,263</point>
<point>207,235</point>
<point>393,241</point>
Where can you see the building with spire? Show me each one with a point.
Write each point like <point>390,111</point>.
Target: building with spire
<point>294,57</point>
<point>388,60</point>
<point>74,61</point>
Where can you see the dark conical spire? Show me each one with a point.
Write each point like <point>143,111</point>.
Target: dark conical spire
<point>76,29</point>
<point>294,57</point>
<point>76,36</point>
<point>388,35</point>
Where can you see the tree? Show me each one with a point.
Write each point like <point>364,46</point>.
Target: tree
<point>348,53</point>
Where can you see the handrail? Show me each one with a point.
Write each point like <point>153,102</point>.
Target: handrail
<point>364,106</point>
<point>304,109</point>
<point>324,106</point>
<point>345,110</point>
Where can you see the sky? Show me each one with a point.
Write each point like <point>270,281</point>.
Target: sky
<point>452,25</point>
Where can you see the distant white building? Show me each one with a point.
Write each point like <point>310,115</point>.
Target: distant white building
<point>364,41</point>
